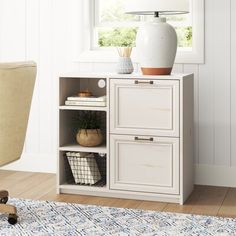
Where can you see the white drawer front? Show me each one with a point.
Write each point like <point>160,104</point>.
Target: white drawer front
<point>144,166</point>
<point>144,107</point>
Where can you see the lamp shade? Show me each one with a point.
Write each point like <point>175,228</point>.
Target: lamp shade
<point>149,7</point>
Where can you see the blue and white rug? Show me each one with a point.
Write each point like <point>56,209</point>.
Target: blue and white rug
<point>41,218</point>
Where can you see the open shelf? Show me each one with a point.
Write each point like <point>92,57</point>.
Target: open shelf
<point>72,86</point>
<point>82,108</point>
<point>74,147</point>
<point>68,131</point>
<point>75,174</point>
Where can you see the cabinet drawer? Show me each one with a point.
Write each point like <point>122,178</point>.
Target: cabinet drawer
<point>144,164</point>
<point>144,107</point>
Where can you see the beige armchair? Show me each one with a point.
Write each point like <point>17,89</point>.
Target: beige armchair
<point>16,89</point>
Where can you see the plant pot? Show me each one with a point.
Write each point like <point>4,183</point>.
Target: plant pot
<point>89,137</point>
<point>124,66</point>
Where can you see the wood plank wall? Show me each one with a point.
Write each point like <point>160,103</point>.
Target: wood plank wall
<point>45,31</point>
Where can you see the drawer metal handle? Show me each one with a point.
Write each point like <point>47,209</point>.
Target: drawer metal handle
<point>144,139</point>
<point>143,82</point>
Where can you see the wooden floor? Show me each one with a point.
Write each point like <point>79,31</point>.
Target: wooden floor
<point>215,201</point>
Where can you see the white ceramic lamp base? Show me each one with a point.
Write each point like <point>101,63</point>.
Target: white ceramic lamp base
<point>156,44</point>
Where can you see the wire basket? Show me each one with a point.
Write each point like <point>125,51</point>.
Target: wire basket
<point>84,168</point>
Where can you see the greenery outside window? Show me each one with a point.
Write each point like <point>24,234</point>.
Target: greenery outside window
<point>115,28</point>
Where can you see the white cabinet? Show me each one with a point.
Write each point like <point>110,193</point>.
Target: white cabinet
<point>145,164</point>
<point>148,131</point>
<point>144,107</point>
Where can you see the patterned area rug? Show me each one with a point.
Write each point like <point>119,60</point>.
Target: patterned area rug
<point>60,219</point>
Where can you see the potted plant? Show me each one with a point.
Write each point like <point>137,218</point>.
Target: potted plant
<point>125,65</point>
<point>89,133</point>
<point>123,39</point>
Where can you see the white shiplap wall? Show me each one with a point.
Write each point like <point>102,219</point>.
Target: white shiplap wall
<point>44,31</point>
<point>48,31</point>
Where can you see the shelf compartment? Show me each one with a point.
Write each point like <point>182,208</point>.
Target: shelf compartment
<point>72,86</point>
<point>68,129</point>
<point>89,170</point>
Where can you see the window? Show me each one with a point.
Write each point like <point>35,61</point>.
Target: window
<point>111,27</point>
<point>115,28</point>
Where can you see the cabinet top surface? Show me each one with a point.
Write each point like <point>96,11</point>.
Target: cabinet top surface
<point>124,76</point>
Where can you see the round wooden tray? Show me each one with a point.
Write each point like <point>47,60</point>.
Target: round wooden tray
<point>85,94</point>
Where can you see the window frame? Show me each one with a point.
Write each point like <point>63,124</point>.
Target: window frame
<point>95,54</point>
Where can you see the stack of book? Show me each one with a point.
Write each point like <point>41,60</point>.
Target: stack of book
<point>86,101</point>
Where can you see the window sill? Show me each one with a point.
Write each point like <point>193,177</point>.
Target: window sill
<point>99,56</point>
<point>111,56</point>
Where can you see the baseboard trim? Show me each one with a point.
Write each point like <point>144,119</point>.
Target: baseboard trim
<point>34,163</point>
<point>223,176</point>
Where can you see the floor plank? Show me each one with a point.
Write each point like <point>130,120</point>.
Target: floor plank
<point>152,206</point>
<point>209,201</point>
<point>215,201</point>
<point>228,208</point>
<point>187,208</point>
